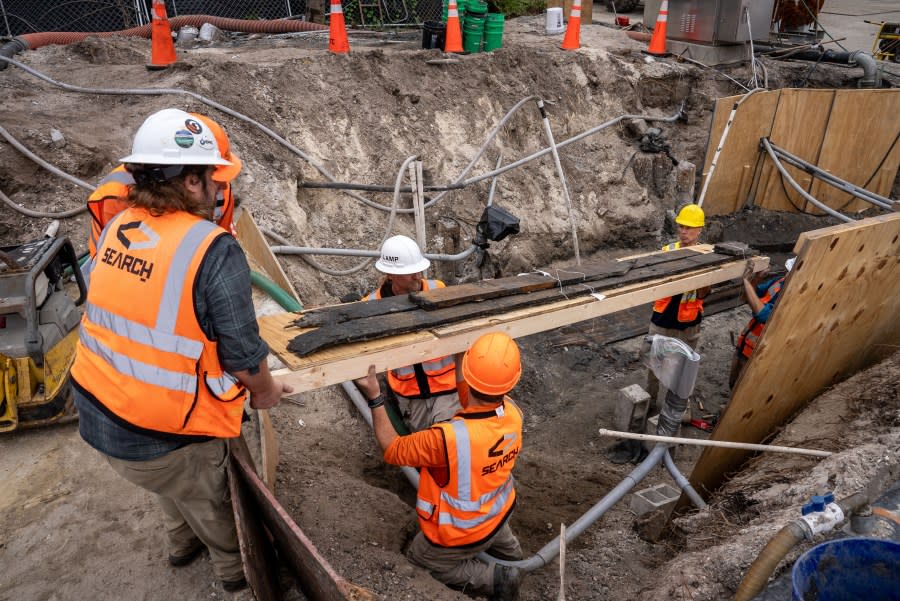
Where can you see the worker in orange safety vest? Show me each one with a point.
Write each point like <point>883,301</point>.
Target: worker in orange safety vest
<point>426,392</point>
<point>466,489</point>
<point>762,300</point>
<point>679,316</point>
<point>111,196</point>
<point>169,346</point>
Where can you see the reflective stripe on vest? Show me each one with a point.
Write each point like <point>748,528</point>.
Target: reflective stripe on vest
<point>439,373</point>
<point>749,338</point>
<point>480,491</point>
<point>689,307</point>
<point>168,361</point>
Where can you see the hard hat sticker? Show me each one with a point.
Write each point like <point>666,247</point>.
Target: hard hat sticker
<point>207,143</point>
<point>193,126</point>
<point>184,138</point>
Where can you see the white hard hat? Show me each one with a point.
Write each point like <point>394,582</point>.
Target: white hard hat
<point>173,137</point>
<point>401,256</point>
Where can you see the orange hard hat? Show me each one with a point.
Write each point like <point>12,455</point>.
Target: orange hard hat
<point>223,173</point>
<point>492,365</point>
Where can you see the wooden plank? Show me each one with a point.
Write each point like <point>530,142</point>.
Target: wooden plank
<point>257,552</point>
<point>268,446</point>
<point>316,578</point>
<point>381,326</point>
<point>346,362</point>
<point>836,315</point>
<point>801,120</point>
<point>334,314</point>
<point>587,9</point>
<point>255,245</point>
<point>753,120</point>
<point>542,280</point>
<point>861,146</point>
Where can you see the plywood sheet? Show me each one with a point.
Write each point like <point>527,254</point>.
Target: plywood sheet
<point>800,124</point>
<point>731,181</point>
<point>861,146</point>
<point>837,314</point>
<point>254,244</point>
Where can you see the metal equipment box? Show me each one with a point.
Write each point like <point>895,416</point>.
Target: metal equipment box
<point>714,21</point>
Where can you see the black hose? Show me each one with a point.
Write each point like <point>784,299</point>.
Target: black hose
<point>10,49</point>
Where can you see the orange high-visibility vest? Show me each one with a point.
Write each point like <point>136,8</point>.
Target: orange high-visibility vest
<point>439,373</point>
<point>111,198</point>
<point>689,307</point>
<point>480,491</point>
<point>749,338</point>
<point>141,352</point>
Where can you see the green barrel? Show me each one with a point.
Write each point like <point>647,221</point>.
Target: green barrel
<point>477,7</point>
<point>493,32</point>
<point>473,31</point>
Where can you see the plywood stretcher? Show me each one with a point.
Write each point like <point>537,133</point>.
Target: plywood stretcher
<point>837,314</point>
<point>348,361</point>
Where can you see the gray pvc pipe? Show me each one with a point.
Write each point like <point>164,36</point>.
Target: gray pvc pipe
<point>363,407</point>
<point>787,176</point>
<point>352,252</point>
<point>682,482</point>
<point>549,551</point>
<point>848,187</point>
<point>562,178</point>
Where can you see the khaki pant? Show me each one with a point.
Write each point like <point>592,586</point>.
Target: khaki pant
<point>191,485</point>
<point>458,568</point>
<point>420,414</point>
<point>690,336</point>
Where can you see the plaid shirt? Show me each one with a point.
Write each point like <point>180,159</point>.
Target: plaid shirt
<point>224,304</point>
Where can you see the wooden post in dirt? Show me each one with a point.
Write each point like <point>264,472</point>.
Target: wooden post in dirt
<point>562,563</point>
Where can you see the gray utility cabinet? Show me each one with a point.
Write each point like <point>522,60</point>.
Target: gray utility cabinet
<point>713,21</point>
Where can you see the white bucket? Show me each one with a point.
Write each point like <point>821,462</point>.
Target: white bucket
<point>187,35</point>
<point>555,20</point>
<point>209,32</point>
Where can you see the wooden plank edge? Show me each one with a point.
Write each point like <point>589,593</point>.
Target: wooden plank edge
<point>519,323</point>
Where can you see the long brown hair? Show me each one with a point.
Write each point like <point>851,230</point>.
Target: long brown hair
<point>159,195</point>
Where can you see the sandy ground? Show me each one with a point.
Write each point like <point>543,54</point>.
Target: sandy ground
<point>73,530</point>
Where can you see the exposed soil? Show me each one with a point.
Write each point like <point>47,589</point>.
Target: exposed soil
<point>73,530</point>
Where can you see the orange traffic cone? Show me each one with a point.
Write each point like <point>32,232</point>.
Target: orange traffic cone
<point>162,48</point>
<point>337,33</point>
<point>572,40</point>
<point>453,35</point>
<point>658,39</point>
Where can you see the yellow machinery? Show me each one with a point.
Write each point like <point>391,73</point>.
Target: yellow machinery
<point>38,329</point>
<point>887,41</point>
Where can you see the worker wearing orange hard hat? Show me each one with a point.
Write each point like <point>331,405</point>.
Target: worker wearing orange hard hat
<point>466,490</point>
<point>111,196</point>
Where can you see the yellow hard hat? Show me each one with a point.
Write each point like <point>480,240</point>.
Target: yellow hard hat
<point>691,215</point>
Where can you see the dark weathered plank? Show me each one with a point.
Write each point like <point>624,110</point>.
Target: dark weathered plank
<point>532,282</point>
<point>325,316</point>
<point>316,578</point>
<point>260,561</point>
<point>382,326</point>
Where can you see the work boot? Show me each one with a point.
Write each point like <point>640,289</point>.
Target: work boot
<point>186,557</point>
<point>233,586</point>
<point>507,580</point>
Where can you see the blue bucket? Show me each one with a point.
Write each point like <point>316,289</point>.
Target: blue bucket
<point>848,569</point>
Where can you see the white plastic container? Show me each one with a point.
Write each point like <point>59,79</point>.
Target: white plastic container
<point>187,35</point>
<point>209,32</point>
<point>555,22</point>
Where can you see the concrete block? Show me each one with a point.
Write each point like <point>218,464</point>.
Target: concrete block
<point>632,404</point>
<point>659,497</point>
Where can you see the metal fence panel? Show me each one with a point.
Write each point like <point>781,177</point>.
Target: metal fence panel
<point>18,17</point>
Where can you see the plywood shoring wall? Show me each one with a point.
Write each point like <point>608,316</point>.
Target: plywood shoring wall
<point>852,134</point>
<point>837,314</point>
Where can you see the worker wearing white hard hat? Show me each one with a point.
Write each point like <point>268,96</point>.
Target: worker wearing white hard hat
<point>426,392</point>
<point>169,346</point>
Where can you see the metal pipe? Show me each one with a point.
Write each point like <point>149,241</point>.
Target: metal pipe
<point>360,403</point>
<point>551,549</point>
<point>848,187</point>
<point>682,482</point>
<point>562,178</point>
<point>790,180</point>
